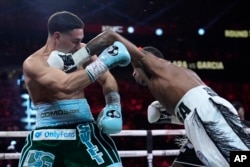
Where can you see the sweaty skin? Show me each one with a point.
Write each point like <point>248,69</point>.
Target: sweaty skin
<point>59,99</point>
<point>47,84</point>
<point>169,83</point>
<point>166,81</point>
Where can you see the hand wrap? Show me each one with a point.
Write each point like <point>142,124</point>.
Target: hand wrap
<point>114,55</point>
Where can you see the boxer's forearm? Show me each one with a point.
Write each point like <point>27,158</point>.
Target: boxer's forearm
<point>108,37</point>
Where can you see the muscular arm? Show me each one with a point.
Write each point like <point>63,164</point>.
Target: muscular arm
<point>108,37</point>
<point>53,78</point>
<point>108,83</point>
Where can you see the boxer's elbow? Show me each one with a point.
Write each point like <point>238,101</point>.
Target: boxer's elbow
<point>108,37</point>
<point>66,88</point>
<point>69,90</point>
<point>74,86</point>
<point>100,42</point>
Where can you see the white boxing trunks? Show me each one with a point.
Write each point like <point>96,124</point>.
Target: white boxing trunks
<point>212,125</point>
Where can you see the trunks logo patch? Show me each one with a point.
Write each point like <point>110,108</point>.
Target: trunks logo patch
<point>58,113</point>
<point>93,150</point>
<point>54,134</point>
<point>38,158</point>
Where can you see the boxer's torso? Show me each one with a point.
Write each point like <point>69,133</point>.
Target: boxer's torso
<point>168,82</point>
<point>40,94</point>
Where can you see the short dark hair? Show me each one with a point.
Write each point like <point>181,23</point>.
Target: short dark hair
<point>64,21</point>
<point>154,51</point>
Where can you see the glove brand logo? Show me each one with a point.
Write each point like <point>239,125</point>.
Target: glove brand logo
<point>113,114</point>
<point>113,50</point>
<point>69,64</point>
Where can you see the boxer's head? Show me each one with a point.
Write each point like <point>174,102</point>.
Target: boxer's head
<point>66,31</point>
<point>63,22</point>
<point>139,74</point>
<point>156,52</point>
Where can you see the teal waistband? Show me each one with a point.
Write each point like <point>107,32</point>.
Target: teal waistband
<point>63,112</point>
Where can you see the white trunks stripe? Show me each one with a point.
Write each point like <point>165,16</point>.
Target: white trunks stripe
<point>54,134</point>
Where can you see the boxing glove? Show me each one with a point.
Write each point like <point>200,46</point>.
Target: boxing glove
<point>156,113</point>
<point>115,55</point>
<point>109,119</point>
<point>68,62</point>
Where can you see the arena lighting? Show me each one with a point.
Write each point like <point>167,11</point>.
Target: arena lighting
<point>30,117</point>
<point>131,29</point>
<point>201,31</point>
<point>158,32</point>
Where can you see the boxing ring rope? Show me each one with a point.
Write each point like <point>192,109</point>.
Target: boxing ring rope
<point>149,153</point>
<point>122,133</point>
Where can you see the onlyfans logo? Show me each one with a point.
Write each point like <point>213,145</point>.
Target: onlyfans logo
<point>54,134</point>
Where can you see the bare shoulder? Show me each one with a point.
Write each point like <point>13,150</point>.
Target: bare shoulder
<point>31,61</point>
<point>153,60</point>
<point>34,63</point>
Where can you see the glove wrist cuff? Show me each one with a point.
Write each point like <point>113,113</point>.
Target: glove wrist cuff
<point>96,69</point>
<point>112,97</point>
<point>81,56</point>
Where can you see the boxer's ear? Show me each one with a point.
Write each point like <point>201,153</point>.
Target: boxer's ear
<point>56,35</point>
